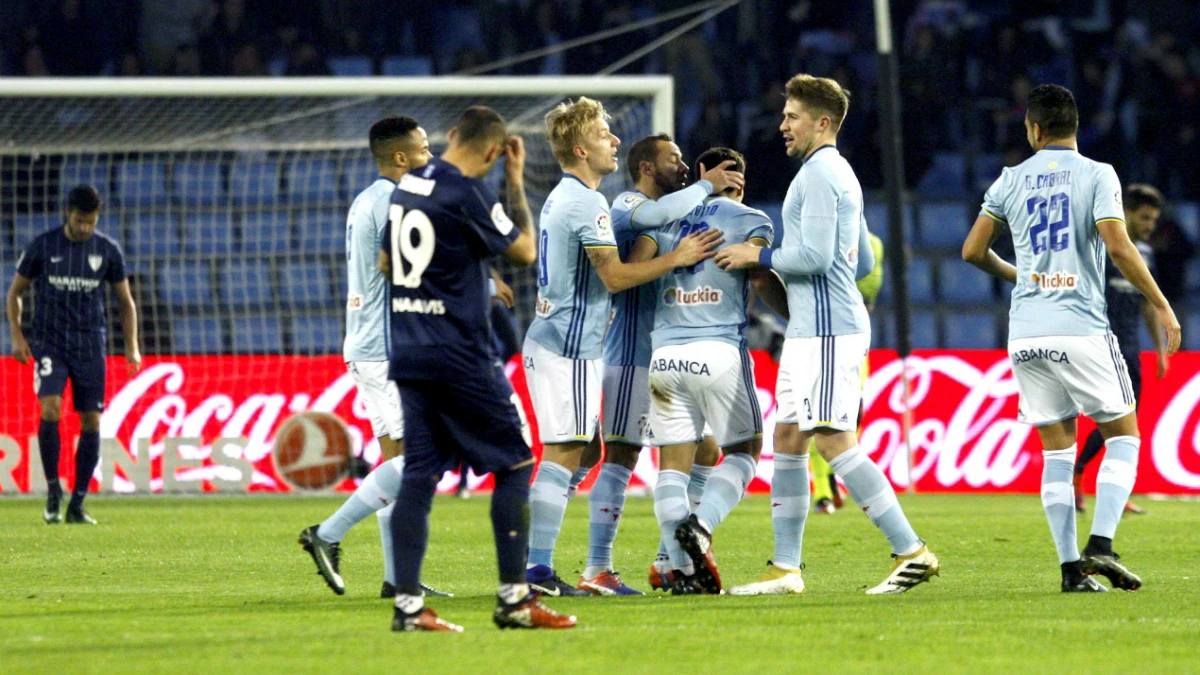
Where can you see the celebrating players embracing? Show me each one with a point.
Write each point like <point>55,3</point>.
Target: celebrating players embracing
<point>1064,210</point>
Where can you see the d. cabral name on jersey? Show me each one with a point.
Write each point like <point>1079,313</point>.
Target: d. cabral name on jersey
<point>705,295</point>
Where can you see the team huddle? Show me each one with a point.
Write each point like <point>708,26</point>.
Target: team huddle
<point>639,339</point>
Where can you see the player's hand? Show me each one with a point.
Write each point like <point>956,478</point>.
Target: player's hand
<point>1163,365</point>
<point>721,178</point>
<point>738,257</point>
<point>1166,318</point>
<point>504,293</point>
<point>20,350</point>
<point>133,361</point>
<point>697,247</point>
<point>514,157</point>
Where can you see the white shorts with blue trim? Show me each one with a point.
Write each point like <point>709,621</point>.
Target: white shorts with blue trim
<point>380,396</point>
<point>820,381</point>
<point>626,417</point>
<point>1061,377</point>
<point>703,382</point>
<point>565,394</point>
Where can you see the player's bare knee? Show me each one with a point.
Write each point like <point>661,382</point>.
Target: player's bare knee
<point>787,439</point>
<point>752,447</point>
<point>1126,425</point>
<point>51,408</point>
<point>832,443</point>
<point>708,453</point>
<point>391,448</point>
<point>621,454</point>
<point>591,453</point>
<point>89,421</point>
<point>566,455</point>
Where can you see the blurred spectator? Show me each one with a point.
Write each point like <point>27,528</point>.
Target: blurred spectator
<point>714,130</point>
<point>186,62</point>
<point>769,172</point>
<point>247,62</point>
<point>305,60</point>
<point>68,39</point>
<point>165,26</point>
<point>229,31</point>
<point>1172,251</point>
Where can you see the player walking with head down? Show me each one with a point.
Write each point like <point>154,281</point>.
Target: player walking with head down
<point>825,248</point>
<point>1064,210</point>
<point>579,268</point>
<point>67,267</point>
<point>444,226</point>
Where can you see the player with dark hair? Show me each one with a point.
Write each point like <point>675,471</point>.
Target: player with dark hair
<point>1064,210</point>
<point>67,267</point>
<point>444,226</point>
<point>1126,308</point>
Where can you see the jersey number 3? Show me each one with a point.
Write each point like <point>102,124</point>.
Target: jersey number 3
<point>1055,235</point>
<point>419,255</point>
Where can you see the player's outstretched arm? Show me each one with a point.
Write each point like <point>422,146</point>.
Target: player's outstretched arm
<point>619,276</point>
<point>651,214</point>
<point>1160,345</point>
<point>129,325</point>
<point>523,251</point>
<point>13,306</point>
<point>977,250</point>
<point>1127,259</point>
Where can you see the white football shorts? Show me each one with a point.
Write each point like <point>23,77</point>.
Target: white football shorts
<point>565,393</point>
<point>380,396</point>
<point>626,417</point>
<point>705,381</point>
<point>1060,377</point>
<point>820,381</point>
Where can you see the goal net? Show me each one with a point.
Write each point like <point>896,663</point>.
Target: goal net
<point>229,198</point>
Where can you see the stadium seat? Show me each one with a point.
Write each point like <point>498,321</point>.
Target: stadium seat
<point>407,66</point>
<point>1191,331</point>
<point>920,281</point>
<point>247,283</point>
<point>774,211</point>
<point>923,325</point>
<point>277,66</point>
<point>26,227</point>
<point>359,173</point>
<point>877,221</point>
<point>142,182</point>
<point>199,183</point>
<point>986,169</point>
<point>351,66</point>
<point>962,283</point>
<point>84,171</point>
<point>316,335</point>
<point>255,182</point>
<point>266,232</point>
<point>322,231</point>
<point>1187,214</point>
<point>969,330</point>
<point>185,285</point>
<point>208,234</point>
<point>312,181</point>
<point>944,226</point>
<point>945,178</point>
<point>152,236</point>
<point>256,335</point>
<point>1191,275</point>
<point>305,284</point>
<point>195,335</point>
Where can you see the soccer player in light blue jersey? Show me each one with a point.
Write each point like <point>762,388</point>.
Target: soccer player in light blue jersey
<point>826,248</point>
<point>701,376</point>
<point>398,145</point>
<point>660,197</point>
<point>579,267</point>
<point>1064,211</point>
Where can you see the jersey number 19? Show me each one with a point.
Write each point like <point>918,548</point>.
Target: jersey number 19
<point>417,256</point>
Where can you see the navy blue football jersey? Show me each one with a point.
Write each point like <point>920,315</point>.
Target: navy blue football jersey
<point>68,284</point>
<point>442,230</point>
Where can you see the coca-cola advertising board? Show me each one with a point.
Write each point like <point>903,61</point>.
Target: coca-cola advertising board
<point>208,423</point>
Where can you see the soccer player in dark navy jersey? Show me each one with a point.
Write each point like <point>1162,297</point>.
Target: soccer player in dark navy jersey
<point>444,226</point>
<point>67,267</point>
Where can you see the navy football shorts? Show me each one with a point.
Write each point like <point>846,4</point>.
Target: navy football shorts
<point>464,418</point>
<point>53,366</point>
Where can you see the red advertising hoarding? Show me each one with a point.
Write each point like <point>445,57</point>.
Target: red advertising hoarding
<point>162,425</point>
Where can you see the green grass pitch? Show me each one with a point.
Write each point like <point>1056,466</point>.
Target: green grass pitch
<point>216,585</point>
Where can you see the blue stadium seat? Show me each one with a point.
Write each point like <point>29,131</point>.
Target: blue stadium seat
<point>247,283</point>
<point>359,173</point>
<point>312,181</point>
<point>407,66</point>
<point>986,169</point>
<point>1187,214</point>
<point>351,66</point>
<point>142,183</point>
<point>920,281</point>
<point>84,171</point>
<point>924,330</point>
<point>774,211</point>
<point>322,231</point>
<point>256,335</point>
<point>963,283</point>
<point>316,335</point>
<point>277,66</point>
<point>1191,275</point>
<point>195,335</point>
<point>877,221</point>
<point>26,227</point>
<point>946,176</point>
<point>944,226</point>
<point>305,284</point>
<point>185,285</point>
<point>199,183</point>
<point>266,232</point>
<point>1191,331</point>
<point>152,236</point>
<point>208,233</point>
<point>254,182</point>
<point>969,330</point>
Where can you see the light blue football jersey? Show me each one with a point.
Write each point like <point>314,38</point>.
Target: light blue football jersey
<point>703,302</point>
<point>573,304</point>
<point>366,301</point>
<point>826,248</point>
<point>1051,203</point>
<point>628,340</point>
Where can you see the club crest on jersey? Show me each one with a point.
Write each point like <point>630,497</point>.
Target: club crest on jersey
<point>705,295</point>
<point>94,262</point>
<point>603,226</point>
<point>1055,281</point>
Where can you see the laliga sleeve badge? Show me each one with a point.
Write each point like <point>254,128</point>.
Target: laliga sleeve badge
<point>603,226</point>
<point>501,220</point>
